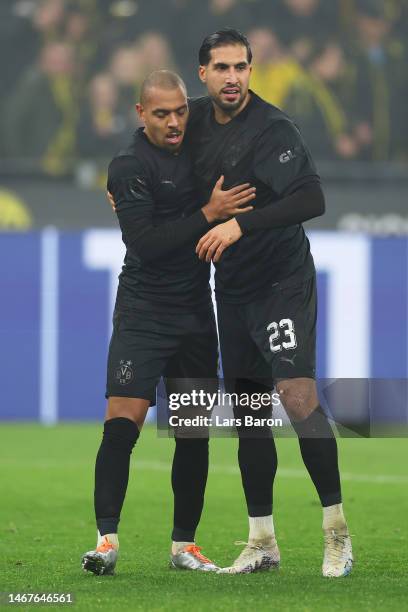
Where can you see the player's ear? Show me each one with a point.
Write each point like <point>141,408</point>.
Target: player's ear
<point>202,73</point>
<point>139,110</point>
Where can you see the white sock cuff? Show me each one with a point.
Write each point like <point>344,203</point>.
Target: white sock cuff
<point>177,547</point>
<point>112,538</point>
<point>333,516</point>
<point>261,527</point>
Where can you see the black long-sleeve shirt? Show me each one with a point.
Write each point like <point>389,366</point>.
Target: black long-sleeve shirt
<point>305,203</point>
<point>159,214</point>
<point>263,147</point>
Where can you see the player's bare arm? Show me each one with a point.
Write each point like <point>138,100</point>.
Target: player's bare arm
<point>212,245</point>
<point>225,204</point>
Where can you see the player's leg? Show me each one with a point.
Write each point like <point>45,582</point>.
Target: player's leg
<point>318,447</point>
<point>137,355</point>
<point>258,463</point>
<point>257,455</point>
<point>316,438</point>
<point>189,479</point>
<point>124,419</point>
<point>284,328</point>
<point>194,367</point>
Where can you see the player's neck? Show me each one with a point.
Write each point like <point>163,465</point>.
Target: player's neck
<point>222,116</point>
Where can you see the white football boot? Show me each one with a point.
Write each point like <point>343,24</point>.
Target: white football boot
<point>258,555</point>
<point>102,560</point>
<point>338,554</point>
<point>190,558</point>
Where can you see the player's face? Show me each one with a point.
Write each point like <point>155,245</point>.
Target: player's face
<point>165,115</point>
<point>227,78</point>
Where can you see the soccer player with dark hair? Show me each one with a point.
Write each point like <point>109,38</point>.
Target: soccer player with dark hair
<point>163,321</point>
<point>266,288</point>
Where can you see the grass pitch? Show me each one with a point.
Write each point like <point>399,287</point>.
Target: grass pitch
<point>47,523</point>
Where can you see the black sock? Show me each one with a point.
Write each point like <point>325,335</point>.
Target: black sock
<point>319,452</point>
<point>188,479</point>
<point>257,455</point>
<point>112,472</point>
<point>258,461</point>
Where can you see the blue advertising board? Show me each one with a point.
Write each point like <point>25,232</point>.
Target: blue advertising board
<point>58,291</point>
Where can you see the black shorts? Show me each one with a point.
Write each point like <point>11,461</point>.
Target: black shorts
<point>270,338</point>
<point>147,345</point>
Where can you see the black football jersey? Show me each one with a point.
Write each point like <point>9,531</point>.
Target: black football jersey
<point>261,146</point>
<point>158,209</point>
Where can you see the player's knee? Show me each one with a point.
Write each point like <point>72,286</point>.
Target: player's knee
<point>298,397</point>
<point>134,409</point>
<point>297,406</point>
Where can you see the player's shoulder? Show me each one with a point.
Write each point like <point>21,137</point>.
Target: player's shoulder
<point>198,107</point>
<point>275,126</point>
<point>272,116</point>
<point>200,102</point>
<point>129,161</point>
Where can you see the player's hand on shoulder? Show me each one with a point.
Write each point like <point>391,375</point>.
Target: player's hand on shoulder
<point>111,200</point>
<point>227,203</point>
<point>212,245</point>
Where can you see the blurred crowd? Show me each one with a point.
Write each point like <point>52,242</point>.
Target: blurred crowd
<point>71,72</point>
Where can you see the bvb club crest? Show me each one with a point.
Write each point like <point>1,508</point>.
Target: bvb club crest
<point>124,373</point>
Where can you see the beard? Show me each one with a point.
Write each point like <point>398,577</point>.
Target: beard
<point>229,107</point>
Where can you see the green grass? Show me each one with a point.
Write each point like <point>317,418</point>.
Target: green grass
<point>46,523</point>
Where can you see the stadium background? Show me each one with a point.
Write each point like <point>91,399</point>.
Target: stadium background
<point>70,72</point>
